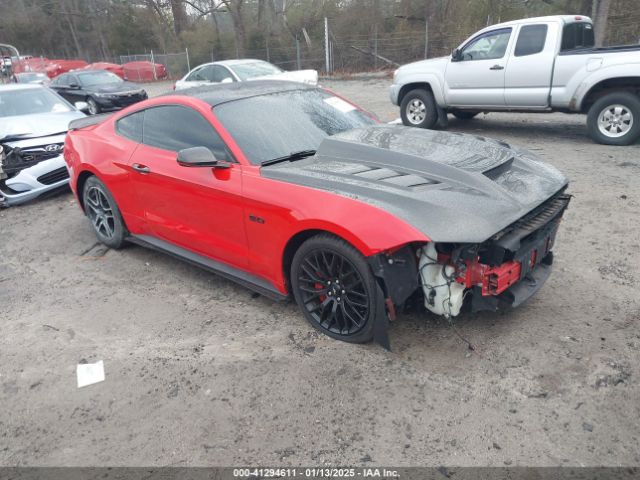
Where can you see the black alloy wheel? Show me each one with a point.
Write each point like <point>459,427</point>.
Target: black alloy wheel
<point>94,108</point>
<point>335,288</point>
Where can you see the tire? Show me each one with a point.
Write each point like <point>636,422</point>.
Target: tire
<point>462,115</point>
<point>335,288</point>
<point>94,108</point>
<point>418,109</point>
<point>614,119</point>
<point>103,212</point>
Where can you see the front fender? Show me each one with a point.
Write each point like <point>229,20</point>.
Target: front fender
<point>410,80</point>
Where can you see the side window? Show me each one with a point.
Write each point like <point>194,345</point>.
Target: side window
<point>531,40</point>
<point>488,46</point>
<point>131,126</point>
<point>206,73</point>
<point>577,35</point>
<point>195,76</point>
<point>176,127</point>
<point>61,80</point>
<point>220,73</point>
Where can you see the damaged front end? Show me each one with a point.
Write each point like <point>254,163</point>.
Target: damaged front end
<point>504,271</point>
<point>30,167</point>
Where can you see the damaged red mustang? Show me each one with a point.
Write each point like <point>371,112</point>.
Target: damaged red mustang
<point>291,190</point>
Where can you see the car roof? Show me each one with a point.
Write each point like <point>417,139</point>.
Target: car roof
<point>239,61</point>
<point>228,92</point>
<point>19,86</point>
<point>549,18</point>
<point>233,62</point>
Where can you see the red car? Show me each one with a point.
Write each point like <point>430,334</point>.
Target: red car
<point>109,67</point>
<point>291,190</point>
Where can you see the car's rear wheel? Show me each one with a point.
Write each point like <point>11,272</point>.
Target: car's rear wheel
<point>462,115</point>
<point>102,211</point>
<point>614,119</point>
<point>94,108</point>
<point>335,288</point>
<point>418,109</point>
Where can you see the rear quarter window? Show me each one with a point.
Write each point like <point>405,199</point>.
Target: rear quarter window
<point>131,126</point>
<point>577,35</point>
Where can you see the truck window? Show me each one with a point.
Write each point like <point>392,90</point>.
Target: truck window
<point>531,40</point>
<point>488,46</point>
<point>577,35</point>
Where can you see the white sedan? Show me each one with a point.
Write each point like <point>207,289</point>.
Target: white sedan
<point>228,71</point>
<point>33,124</point>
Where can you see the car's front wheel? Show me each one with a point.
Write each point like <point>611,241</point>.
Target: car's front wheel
<point>94,108</point>
<point>418,109</point>
<point>102,211</point>
<point>614,119</point>
<point>335,288</point>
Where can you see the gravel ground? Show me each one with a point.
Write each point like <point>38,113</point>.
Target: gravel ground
<point>199,372</point>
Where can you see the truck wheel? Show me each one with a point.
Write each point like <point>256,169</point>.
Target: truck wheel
<point>615,119</point>
<point>418,109</point>
<point>462,115</point>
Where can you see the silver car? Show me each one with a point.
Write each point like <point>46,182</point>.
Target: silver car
<point>33,123</point>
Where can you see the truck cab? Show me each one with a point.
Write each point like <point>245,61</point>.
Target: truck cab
<point>540,64</point>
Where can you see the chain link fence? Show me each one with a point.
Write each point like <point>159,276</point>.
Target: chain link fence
<point>328,49</point>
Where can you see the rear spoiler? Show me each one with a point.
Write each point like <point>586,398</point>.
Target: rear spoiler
<point>88,121</point>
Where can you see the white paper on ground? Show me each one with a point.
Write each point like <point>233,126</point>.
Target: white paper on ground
<point>90,373</point>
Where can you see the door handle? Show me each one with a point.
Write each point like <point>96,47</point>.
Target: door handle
<point>141,168</point>
<point>497,67</point>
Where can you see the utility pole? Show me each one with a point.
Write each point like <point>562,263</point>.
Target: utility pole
<point>375,46</point>
<point>426,37</point>
<point>326,45</point>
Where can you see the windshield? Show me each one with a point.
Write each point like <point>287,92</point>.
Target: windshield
<point>256,69</point>
<point>31,102</point>
<point>98,78</point>
<point>275,125</point>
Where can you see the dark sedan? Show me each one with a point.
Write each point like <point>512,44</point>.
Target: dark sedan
<point>103,91</point>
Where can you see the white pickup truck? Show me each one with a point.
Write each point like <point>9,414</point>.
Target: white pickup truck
<point>545,64</point>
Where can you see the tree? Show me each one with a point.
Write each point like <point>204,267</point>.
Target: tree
<point>600,15</point>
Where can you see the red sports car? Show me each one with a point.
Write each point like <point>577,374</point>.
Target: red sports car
<point>292,190</point>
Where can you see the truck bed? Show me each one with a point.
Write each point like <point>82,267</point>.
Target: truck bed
<point>613,49</point>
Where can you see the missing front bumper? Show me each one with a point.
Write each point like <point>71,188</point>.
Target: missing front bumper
<point>515,295</point>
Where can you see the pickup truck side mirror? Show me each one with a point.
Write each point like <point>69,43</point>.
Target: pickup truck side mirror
<point>456,55</point>
<point>200,157</point>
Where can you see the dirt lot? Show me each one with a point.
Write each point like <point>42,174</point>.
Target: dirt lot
<point>199,372</point>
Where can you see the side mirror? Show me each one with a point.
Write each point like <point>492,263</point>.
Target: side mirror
<point>200,157</point>
<point>75,86</point>
<point>82,106</point>
<point>456,55</point>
